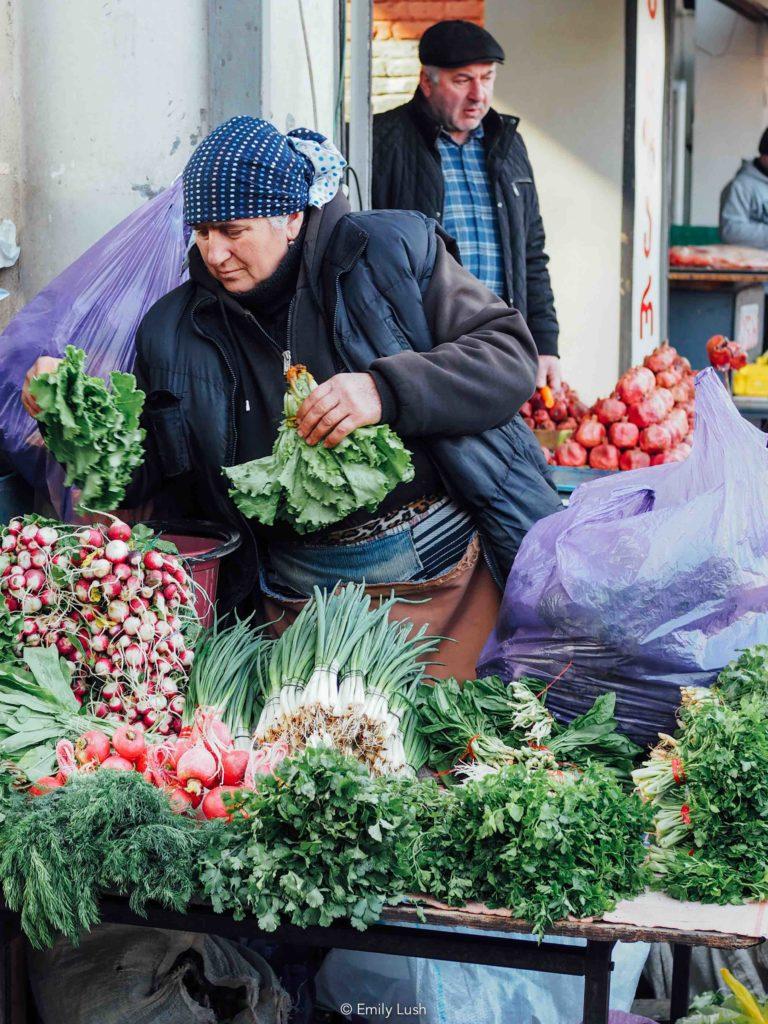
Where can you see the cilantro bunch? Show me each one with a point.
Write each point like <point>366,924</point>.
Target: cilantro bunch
<point>318,843</point>
<point>107,832</point>
<point>712,823</point>
<point>92,430</point>
<point>546,845</point>
<point>311,486</point>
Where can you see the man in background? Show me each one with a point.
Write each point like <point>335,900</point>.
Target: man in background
<point>449,154</point>
<point>744,202</point>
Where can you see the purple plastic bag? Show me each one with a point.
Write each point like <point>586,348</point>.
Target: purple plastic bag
<point>650,580</point>
<point>97,304</point>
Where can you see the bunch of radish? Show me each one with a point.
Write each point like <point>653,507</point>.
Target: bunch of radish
<point>646,421</point>
<point>203,769</point>
<point>113,608</point>
<point>126,750</point>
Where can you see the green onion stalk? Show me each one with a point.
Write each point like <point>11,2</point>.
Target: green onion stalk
<point>290,665</point>
<point>224,676</point>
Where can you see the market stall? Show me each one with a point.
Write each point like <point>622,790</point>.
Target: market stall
<point>316,782</point>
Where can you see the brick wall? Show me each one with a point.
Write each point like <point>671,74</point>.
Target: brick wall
<point>397,28</point>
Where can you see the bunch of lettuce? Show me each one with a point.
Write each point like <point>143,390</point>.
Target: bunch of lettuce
<point>311,486</point>
<point>92,430</point>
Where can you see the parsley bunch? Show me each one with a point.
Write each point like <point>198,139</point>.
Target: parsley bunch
<point>546,845</point>
<point>746,676</point>
<point>318,844</point>
<point>311,486</point>
<point>92,430</point>
<point>107,832</point>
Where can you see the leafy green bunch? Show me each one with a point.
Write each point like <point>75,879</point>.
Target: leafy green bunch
<point>546,845</point>
<point>311,486</point>
<point>493,723</point>
<point>745,676</point>
<point>317,843</point>
<point>721,851</point>
<point>92,430</point>
<point>106,832</point>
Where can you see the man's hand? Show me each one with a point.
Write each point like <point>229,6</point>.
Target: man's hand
<point>549,372</point>
<point>337,407</point>
<point>45,364</point>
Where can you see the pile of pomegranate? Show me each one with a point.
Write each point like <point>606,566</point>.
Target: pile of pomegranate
<point>646,421</point>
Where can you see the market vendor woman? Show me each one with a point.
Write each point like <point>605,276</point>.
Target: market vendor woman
<point>395,330</point>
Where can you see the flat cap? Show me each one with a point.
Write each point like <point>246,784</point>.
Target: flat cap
<point>452,44</point>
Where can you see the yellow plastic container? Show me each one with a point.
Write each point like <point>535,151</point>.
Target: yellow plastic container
<point>753,379</point>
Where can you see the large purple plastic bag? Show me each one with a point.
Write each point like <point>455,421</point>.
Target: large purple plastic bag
<point>97,304</point>
<point>650,580</point>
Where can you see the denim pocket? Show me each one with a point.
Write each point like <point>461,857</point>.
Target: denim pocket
<point>383,560</point>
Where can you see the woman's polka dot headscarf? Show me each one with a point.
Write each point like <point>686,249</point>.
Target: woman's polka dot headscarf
<point>247,168</point>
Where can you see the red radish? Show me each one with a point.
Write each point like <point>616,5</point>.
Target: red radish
<point>214,805</point>
<point>604,456</point>
<point>46,536</point>
<point>181,800</point>
<point>655,439</point>
<point>91,538</point>
<point>634,459</point>
<point>661,358</point>
<point>116,551</point>
<point>610,410</point>
<point>34,580</point>
<point>636,384</point>
<point>129,742</point>
<point>117,763</point>
<point>233,765</point>
<point>623,435</point>
<point>119,531</point>
<point>197,768</point>
<point>153,560</point>
<point>570,453</point>
<point>100,709</point>
<point>45,784</point>
<point>92,746</point>
<point>590,433</point>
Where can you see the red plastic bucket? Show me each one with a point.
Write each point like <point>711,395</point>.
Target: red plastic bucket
<point>202,545</point>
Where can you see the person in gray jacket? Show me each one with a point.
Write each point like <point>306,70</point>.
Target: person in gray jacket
<point>744,202</point>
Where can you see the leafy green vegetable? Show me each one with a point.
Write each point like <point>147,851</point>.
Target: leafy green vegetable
<point>38,708</point>
<point>544,844</point>
<point>318,845</point>
<point>106,832</point>
<point>490,722</point>
<point>311,486</point>
<point>746,676</point>
<point>91,430</point>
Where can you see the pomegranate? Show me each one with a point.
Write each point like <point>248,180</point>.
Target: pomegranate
<point>624,435</point>
<point>677,424</point>
<point>525,409</point>
<point>717,351</point>
<point>590,433</point>
<point>682,364</point>
<point>576,408</point>
<point>633,458</point>
<point>559,411</point>
<point>737,355</point>
<point>529,422</point>
<point>610,410</point>
<point>662,358</point>
<point>650,410</point>
<point>569,423</point>
<point>542,421</point>
<point>673,455</point>
<point>655,438</point>
<point>635,385</point>
<point>604,456</point>
<point>682,392</point>
<point>665,398</point>
<point>668,378</point>
<point>570,453</point>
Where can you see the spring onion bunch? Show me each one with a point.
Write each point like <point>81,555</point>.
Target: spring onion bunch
<point>228,660</point>
<point>342,675</point>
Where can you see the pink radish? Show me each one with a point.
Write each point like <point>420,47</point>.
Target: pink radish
<point>119,531</point>
<point>233,765</point>
<point>100,568</point>
<point>117,763</point>
<point>116,551</point>
<point>129,742</point>
<point>213,802</point>
<point>46,536</point>
<point>45,785</point>
<point>197,768</point>
<point>154,560</point>
<point>92,746</point>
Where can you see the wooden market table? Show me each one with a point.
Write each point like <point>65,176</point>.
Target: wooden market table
<point>435,938</point>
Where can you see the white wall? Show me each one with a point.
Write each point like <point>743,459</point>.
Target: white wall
<point>286,93</point>
<point>113,100</point>
<point>730,108</point>
<point>10,154</point>
<point>564,76</point>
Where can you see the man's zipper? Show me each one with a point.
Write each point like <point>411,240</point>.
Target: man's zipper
<point>225,357</point>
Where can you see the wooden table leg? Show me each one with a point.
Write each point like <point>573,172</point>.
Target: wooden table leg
<point>681,975</point>
<point>597,981</point>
